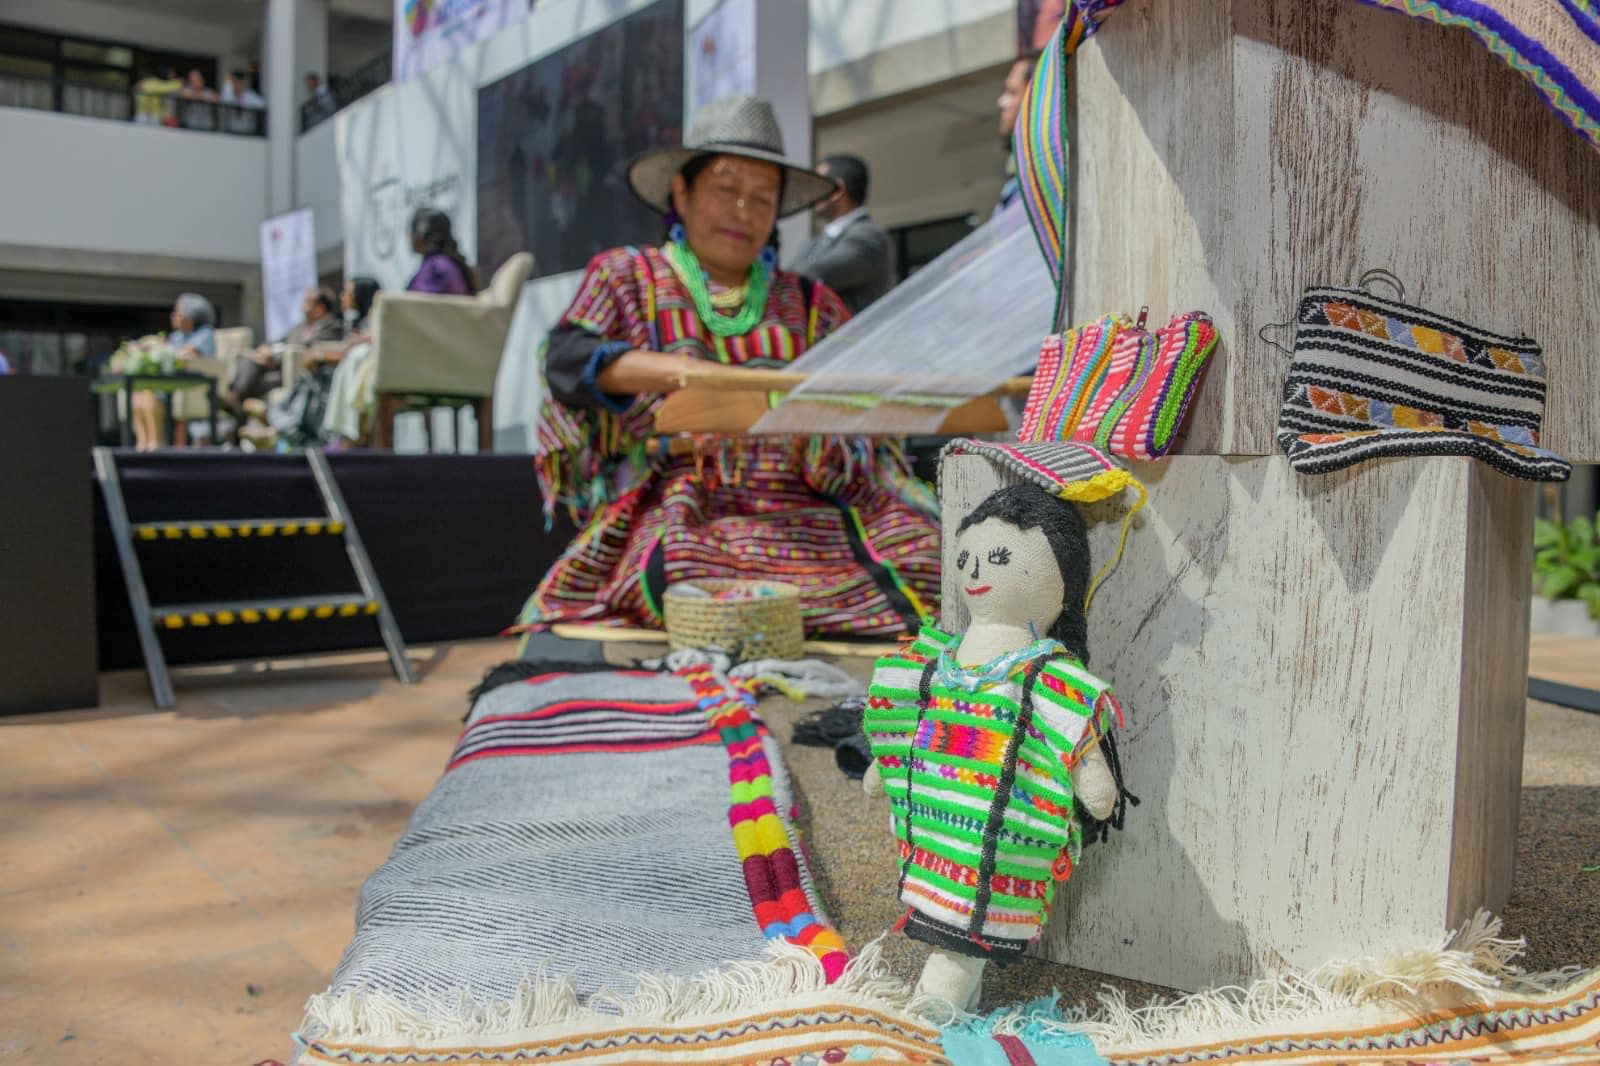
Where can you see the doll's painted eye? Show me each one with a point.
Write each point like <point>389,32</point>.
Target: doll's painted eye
<point>961,560</point>
<point>1000,556</point>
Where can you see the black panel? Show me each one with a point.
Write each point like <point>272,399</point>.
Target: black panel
<point>47,603</point>
<point>458,542</point>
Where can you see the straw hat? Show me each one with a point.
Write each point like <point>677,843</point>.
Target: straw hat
<point>744,126</point>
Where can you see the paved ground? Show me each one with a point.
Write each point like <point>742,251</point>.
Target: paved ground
<point>174,884</point>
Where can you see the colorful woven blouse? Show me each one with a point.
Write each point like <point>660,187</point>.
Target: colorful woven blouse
<point>980,788</point>
<point>826,514</point>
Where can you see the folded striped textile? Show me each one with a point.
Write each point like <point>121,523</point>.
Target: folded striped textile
<point>589,828</point>
<point>1113,384</point>
<point>1378,378</point>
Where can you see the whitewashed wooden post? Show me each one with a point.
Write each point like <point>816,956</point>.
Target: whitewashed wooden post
<point>1325,676</point>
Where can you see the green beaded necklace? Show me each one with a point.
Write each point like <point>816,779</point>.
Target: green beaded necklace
<point>687,265</point>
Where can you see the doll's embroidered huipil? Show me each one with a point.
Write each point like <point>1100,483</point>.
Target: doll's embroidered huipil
<point>977,771</point>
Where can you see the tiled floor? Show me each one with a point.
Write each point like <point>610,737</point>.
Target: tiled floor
<point>174,884</point>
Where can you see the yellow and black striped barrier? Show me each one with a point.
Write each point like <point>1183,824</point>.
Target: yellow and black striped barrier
<point>297,612</point>
<point>249,527</point>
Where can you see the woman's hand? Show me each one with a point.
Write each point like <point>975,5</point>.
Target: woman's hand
<point>639,371</point>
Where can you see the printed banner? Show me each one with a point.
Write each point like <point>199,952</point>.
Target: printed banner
<point>403,147</point>
<point>288,269</point>
<point>722,54</point>
<point>426,31</point>
<point>555,137</point>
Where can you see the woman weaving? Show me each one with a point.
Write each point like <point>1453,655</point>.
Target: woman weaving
<point>819,513</point>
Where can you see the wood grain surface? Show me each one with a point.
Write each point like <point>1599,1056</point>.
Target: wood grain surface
<point>1322,680</point>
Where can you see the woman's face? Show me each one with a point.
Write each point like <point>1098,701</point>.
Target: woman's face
<point>180,321</point>
<point>1009,576</point>
<point>347,296</point>
<point>730,211</point>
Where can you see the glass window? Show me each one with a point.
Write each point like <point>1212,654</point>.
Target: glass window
<point>109,55</point>
<point>25,67</point>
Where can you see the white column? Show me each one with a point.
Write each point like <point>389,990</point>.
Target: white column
<point>294,41</point>
<point>782,35</point>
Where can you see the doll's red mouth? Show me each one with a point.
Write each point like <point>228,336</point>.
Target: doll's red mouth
<point>978,590</point>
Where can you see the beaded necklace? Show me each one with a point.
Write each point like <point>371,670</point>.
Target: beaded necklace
<point>952,674</point>
<point>693,275</point>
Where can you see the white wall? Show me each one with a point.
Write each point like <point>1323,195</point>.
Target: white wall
<point>114,187</point>
<point>316,182</point>
<point>843,31</point>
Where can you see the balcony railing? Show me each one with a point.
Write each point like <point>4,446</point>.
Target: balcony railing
<point>346,91</point>
<point>123,105</point>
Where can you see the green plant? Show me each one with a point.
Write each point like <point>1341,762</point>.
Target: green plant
<point>1566,560</point>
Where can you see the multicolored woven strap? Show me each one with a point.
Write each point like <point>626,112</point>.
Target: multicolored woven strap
<point>1039,140</point>
<point>1553,43</point>
<point>1111,384</point>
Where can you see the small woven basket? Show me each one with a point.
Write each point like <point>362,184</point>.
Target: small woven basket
<point>762,624</point>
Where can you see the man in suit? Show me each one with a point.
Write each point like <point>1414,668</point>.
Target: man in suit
<point>852,254</point>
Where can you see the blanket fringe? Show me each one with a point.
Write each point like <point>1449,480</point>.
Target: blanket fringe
<point>788,973</point>
<point>1474,961</point>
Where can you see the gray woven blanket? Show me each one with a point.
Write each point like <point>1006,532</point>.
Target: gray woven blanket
<point>581,831</point>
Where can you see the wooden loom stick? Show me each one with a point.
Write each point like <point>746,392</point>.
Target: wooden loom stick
<point>720,399</point>
<point>754,379</point>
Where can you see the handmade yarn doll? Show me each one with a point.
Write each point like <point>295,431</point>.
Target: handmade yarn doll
<point>994,745</point>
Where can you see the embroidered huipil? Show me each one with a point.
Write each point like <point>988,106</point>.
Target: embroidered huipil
<point>825,514</point>
<point>980,789</point>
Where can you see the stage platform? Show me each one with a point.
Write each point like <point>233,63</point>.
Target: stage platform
<point>458,542</point>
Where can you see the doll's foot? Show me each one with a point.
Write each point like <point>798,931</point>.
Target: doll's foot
<point>956,979</point>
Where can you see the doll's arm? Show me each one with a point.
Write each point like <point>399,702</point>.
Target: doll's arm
<point>1092,783</point>
<point>872,782</point>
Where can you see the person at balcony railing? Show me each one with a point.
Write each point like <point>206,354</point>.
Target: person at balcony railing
<point>200,111</point>
<point>319,101</point>
<point>444,269</point>
<point>236,91</point>
<point>151,95</point>
<point>261,371</point>
<point>241,102</point>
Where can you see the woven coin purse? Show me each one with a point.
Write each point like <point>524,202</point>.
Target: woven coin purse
<point>1373,378</point>
<point>1115,385</point>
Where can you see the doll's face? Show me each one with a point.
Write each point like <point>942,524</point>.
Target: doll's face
<point>1009,575</point>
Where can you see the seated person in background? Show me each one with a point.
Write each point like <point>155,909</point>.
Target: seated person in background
<point>193,335</point>
<point>444,270</point>
<point>852,255</point>
<point>350,395</point>
<point>150,97</point>
<point>261,371</point>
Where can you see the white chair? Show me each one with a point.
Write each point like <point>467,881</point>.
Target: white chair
<point>443,351</point>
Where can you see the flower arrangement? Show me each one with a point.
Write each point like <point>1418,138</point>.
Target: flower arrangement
<point>147,355</point>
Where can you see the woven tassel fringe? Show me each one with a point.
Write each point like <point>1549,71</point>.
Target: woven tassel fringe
<point>1472,963</point>
<point>789,973</point>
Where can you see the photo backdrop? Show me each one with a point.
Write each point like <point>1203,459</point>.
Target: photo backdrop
<point>410,145</point>
<point>554,137</point>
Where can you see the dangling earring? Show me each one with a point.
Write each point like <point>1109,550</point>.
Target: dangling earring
<point>675,232</point>
<point>769,257</point>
